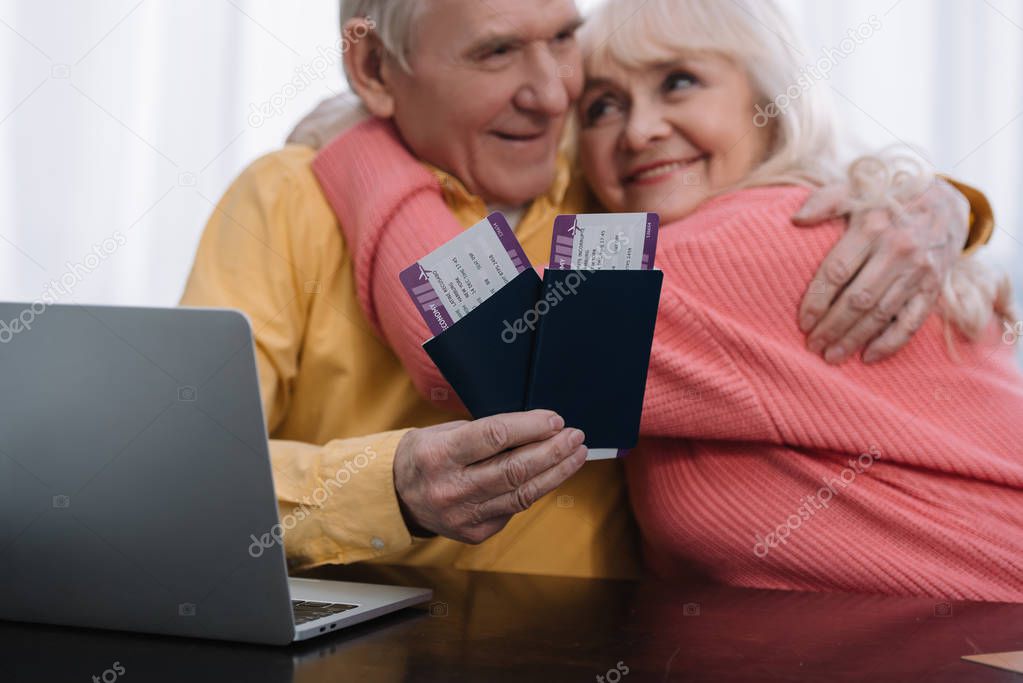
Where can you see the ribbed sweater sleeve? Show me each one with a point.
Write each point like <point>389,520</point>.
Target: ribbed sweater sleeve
<point>392,213</point>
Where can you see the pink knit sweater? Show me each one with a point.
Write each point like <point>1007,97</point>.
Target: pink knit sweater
<point>759,464</point>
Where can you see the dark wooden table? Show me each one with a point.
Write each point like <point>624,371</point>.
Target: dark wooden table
<point>506,627</point>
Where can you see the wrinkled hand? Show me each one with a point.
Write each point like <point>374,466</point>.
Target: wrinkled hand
<point>882,280</point>
<point>465,480</point>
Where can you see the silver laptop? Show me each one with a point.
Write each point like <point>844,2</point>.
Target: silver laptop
<point>135,482</point>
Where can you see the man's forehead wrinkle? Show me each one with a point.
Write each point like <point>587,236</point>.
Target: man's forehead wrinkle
<point>470,16</point>
<point>482,20</point>
<point>512,27</point>
<point>472,28</point>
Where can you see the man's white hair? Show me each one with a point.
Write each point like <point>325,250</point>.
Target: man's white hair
<point>392,20</point>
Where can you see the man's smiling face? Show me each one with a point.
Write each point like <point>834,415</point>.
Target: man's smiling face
<point>491,87</point>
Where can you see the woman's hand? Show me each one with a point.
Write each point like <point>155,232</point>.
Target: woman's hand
<point>883,278</point>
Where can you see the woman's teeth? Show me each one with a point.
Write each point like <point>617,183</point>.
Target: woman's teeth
<point>660,170</point>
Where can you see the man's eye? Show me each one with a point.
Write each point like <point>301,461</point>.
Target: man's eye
<point>565,36</point>
<point>495,52</point>
<point>679,80</point>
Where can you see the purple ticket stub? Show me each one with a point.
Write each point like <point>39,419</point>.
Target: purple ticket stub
<point>507,238</point>
<point>604,241</point>
<point>452,280</point>
<point>417,283</point>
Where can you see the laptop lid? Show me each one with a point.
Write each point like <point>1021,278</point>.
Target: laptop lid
<point>134,471</point>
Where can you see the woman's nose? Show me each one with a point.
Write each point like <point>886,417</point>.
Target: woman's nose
<point>644,126</point>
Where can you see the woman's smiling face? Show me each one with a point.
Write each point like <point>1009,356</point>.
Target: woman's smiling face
<point>666,137</point>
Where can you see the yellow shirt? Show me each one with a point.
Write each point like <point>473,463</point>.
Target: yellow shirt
<point>273,249</point>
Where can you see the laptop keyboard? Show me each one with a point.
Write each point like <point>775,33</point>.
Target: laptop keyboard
<point>306,611</point>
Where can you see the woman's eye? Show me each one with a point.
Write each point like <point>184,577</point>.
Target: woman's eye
<point>599,109</point>
<point>679,80</point>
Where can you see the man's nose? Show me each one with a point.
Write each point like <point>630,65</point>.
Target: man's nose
<point>545,88</point>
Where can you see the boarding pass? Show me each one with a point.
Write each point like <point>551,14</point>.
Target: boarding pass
<point>604,241</point>
<point>455,278</point>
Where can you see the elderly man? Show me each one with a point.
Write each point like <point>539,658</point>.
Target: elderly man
<point>480,91</point>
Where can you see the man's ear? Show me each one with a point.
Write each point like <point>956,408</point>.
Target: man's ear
<point>367,68</point>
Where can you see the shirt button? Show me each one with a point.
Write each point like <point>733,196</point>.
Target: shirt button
<point>377,543</point>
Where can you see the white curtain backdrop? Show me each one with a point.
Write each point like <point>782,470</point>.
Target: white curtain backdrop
<point>122,120</point>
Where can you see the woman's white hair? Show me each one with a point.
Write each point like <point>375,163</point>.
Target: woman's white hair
<point>795,107</point>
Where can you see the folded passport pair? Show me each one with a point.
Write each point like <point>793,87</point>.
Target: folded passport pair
<point>577,342</point>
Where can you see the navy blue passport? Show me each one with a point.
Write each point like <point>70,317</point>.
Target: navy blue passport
<point>592,351</point>
<point>486,355</point>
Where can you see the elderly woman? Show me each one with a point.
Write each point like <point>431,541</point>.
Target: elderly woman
<point>762,465</point>
<point>903,478</point>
